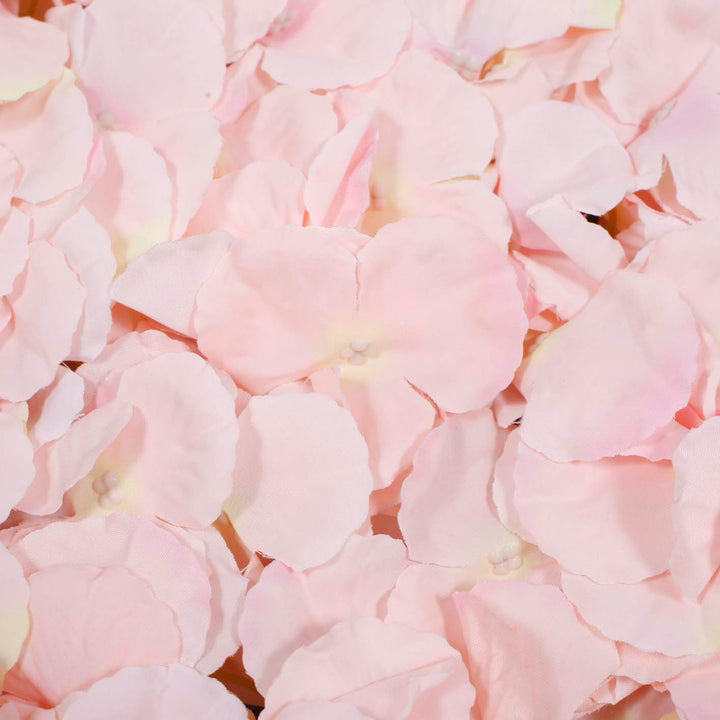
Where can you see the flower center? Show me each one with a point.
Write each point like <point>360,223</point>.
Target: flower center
<point>107,490</point>
<point>358,352</point>
<point>508,558</point>
<point>468,66</point>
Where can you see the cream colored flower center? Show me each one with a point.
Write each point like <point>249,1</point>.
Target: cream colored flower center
<point>107,490</point>
<point>358,352</point>
<point>508,558</point>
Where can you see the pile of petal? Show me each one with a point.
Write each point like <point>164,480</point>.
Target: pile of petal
<point>359,359</point>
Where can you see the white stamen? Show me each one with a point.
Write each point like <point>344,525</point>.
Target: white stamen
<point>346,353</point>
<point>357,359</point>
<point>507,558</point>
<point>360,347</point>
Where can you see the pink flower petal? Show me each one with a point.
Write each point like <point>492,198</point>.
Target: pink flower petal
<point>563,660</point>
<point>14,617</point>
<point>262,195</point>
<point>301,481</point>
<point>385,670</point>
<point>639,343</point>
<point>352,585</point>
<point>606,520</point>
<point>154,693</point>
<point>46,303</point>
<point>366,37</point>
<point>320,710</point>
<point>14,248</point>
<point>163,282</point>
<point>445,516</point>
<point>53,409</point>
<point>696,692</point>
<point>443,295</point>
<point>554,148</point>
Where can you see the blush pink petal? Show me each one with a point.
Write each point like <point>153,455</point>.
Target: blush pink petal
<point>46,304</point>
<point>51,135</point>
<point>10,175</point>
<point>14,616</point>
<point>262,195</point>
<point>444,295</point>
<point>696,510</point>
<point>511,88</point>
<point>264,313</point>
<point>652,615</point>
<point>639,343</point>
<point>392,417</point>
<point>245,22</point>
<point>445,515</point>
<point>337,190</point>
<point>88,622</point>
<point>14,248</point>
<point>320,710</point>
<point>16,461</point>
<point>133,198</point>
<point>432,126</point>
<point>174,460</point>
<point>31,54</point>
<point>136,60</point>
<point>190,144</point>
<point>607,520</point>
<point>384,669</point>
<point>679,36</point>
<point>555,148</point>
<point>163,282</point>
<point>563,660</point>
<point>365,38</point>
<point>53,409</point>
<point>696,692</point>
<point>65,462</point>
<point>589,246</point>
<point>88,251</point>
<point>174,692</point>
<point>302,480</point>
<point>286,123</point>
<point>352,585</point>
<point>160,557</point>
<point>689,259</point>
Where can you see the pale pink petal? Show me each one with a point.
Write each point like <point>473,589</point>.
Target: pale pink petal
<point>247,21</point>
<point>365,38</point>
<point>638,341</point>
<point>696,692</point>
<point>267,312</point>
<point>159,556</point>
<point>10,175</point>
<point>607,520</point>
<point>88,622</point>
<point>46,303</point>
<point>301,481</point>
<point>190,144</point>
<point>689,260</point>
<point>154,693</point>
<point>62,464</point>
<point>446,517</point>
<point>163,282</point>
<point>696,511</point>
<point>555,148</point>
<point>385,670</point>
<point>652,615</point>
<point>51,134</point>
<point>392,417</point>
<point>589,246</point>
<point>133,198</point>
<point>137,60</point>
<point>661,444</point>
<point>432,126</point>
<point>261,195</point>
<point>320,710</point>
<point>352,585</point>
<point>53,409</point>
<point>443,295</point>
<point>337,190</point>
<point>88,251</point>
<point>14,248</point>
<point>530,655</point>
<point>14,616</point>
<point>174,459</point>
<point>31,54</point>
<point>678,36</point>
<point>287,123</point>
